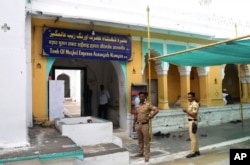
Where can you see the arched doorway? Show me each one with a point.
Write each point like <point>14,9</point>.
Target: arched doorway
<point>174,90</point>
<point>98,72</point>
<point>66,79</point>
<point>231,81</point>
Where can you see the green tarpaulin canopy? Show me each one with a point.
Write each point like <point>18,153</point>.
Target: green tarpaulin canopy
<point>233,51</point>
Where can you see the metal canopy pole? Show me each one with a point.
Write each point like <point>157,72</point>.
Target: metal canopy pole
<point>239,74</point>
<point>149,70</point>
<point>149,66</point>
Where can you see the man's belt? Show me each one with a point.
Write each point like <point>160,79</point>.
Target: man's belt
<point>192,119</point>
<point>141,123</point>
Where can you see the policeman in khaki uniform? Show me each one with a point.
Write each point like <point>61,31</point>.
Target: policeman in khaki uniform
<point>144,112</point>
<point>192,113</point>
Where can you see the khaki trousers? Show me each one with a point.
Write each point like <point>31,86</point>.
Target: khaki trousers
<point>193,138</point>
<point>143,139</point>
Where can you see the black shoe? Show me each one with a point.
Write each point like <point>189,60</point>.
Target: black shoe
<point>197,153</point>
<point>190,155</point>
<point>158,133</point>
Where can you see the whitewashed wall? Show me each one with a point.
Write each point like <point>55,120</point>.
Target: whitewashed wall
<point>13,130</point>
<point>28,69</point>
<point>199,17</point>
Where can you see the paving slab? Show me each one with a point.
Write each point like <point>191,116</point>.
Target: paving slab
<point>177,144</point>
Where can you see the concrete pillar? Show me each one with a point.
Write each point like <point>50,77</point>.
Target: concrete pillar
<point>248,89</point>
<point>163,92</point>
<point>39,79</point>
<point>14,66</point>
<point>203,79</point>
<point>185,84</point>
<point>244,90</point>
<point>162,70</point>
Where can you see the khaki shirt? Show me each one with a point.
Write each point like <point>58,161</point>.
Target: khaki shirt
<point>194,107</point>
<point>143,110</point>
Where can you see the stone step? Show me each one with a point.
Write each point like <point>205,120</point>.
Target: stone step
<point>107,153</point>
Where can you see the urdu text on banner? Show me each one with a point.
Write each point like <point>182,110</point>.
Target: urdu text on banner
<point>82,44</point>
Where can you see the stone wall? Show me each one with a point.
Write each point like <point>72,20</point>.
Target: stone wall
<point>175,120</point>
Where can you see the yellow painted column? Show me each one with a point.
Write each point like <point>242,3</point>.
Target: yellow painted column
<point>162,69</point>
<point>185,88</point>
<point>203,90</point>
<point>248,90</point>
<point>203,82</point>
<point>163,92</point>
<point>185,84</point>
<point>244,90</point>
<point>39,87</point>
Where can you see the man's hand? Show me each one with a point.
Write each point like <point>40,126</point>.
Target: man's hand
<point>149,117</point>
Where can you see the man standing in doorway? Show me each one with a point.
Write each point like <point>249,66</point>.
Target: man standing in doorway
<point>103,103</point>
<point>192,113</point>
<point>144,112</point>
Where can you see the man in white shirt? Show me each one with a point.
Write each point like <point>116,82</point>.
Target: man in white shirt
<point>224,95</point>
<point>137,100</point>
<point>103,103</point>
<point>227,98</point>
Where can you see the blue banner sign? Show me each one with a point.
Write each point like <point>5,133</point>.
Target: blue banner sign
<point>81,44</point>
